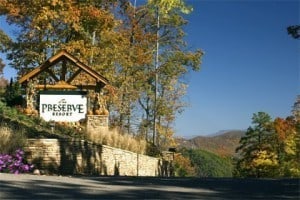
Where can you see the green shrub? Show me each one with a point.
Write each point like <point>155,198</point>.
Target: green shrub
<point>13,94</point>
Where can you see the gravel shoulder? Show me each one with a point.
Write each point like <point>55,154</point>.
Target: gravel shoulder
<point>27,186</point>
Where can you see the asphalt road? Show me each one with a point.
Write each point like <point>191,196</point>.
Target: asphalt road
<point>26,186</point>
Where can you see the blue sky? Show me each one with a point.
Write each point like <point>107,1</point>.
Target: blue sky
<point>250,64</point>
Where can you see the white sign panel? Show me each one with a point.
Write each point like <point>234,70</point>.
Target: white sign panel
<point>64,106</point>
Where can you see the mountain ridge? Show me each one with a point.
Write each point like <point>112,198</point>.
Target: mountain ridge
<point>222,143</point>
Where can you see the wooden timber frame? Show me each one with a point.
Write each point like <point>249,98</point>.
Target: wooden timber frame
<point>62,82</point>
<point>78,77</point>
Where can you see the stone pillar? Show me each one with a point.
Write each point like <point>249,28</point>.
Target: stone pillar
<point>97,123</point>
<point>31,98</point>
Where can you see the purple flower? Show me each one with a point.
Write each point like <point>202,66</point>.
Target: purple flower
<point>14,163</point>
<point>25,168</point>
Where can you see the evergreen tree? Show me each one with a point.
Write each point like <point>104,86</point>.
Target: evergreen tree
<point>256,151</point>
<point>13,94</point>
<point>270,148</point>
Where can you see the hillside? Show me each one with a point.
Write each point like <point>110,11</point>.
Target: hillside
<point>223,144</point>
<point>33,126</point>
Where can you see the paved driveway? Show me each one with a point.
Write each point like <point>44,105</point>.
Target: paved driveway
<point>27,186</point>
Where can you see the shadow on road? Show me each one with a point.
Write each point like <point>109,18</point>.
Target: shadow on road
<point>55,187</point>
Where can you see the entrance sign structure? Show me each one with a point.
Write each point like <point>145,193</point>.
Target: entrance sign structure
<point>69,106</point>
<point>65,89</point>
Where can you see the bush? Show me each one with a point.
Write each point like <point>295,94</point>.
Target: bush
<point>183,166</point>
<point>11,139</point>
<point>115,139</point>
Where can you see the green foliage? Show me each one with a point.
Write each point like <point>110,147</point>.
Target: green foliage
<point>34,126</point>
<point>13,94</point>
<point>269,148</point>
<point>255,150</point>
<point>208,164</point>
<point>16,127</point>
<point>4,44</point>
<point>166,6</point>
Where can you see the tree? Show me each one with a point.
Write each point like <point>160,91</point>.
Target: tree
<point>256,153</point>
<point>208,164</point>
<point>13,94</point>
<point>183,166</point>
<point>118,40</point>
<point>47,26</point>
<point>157,91</point>
<point>294,31</point>
<point>270,148</point>
<point>1,64</point>
<point>166,87</point>
<point>287,141</point>
<point>4,43</point>
<point>296,108</point>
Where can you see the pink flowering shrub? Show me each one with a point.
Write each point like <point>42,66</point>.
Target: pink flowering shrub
<point>14,163</point>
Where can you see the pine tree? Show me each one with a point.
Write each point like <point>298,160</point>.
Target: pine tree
<point>257,157</point>
<point>13,94</point>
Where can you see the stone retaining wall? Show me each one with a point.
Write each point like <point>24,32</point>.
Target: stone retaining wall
<point>81,157</point>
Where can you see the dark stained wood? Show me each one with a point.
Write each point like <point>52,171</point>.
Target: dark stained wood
<point>74,76</point>
<point>51,73</point>
<point>34,72</point>
<point>64,57</point>
<point>63,70</point>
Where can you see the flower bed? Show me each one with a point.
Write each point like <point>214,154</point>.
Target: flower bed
<point>14,163</point>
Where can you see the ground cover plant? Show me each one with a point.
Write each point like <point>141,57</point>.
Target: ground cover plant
<point>14,163</point>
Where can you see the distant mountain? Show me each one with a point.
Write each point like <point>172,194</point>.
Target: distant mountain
<point>223,143</point>
<point>221,132</point>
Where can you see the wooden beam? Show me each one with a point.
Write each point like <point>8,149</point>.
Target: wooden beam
<point>34,72</point>
<point>63,70</point>
<point>86,68</point>
<point>51,73</point>
<point>64,56</point>
<point>57,57</point>
<point>71,87</point>
<point>55,87</point>
<point>74,75</point>
<point>92,73</point>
